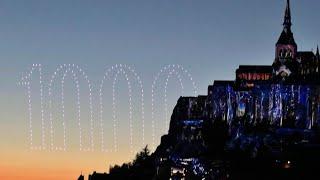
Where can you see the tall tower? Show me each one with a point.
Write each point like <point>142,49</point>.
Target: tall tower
<point>286,46</point>
<point>286,49</point>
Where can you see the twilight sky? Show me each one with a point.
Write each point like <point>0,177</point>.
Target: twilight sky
<point>209,38</point>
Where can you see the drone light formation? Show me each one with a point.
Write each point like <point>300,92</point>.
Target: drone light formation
<point>111,76</point>
<point>114,71</point>
<point>26,81</point>
<point>167,70</point>
<point>70,68</point>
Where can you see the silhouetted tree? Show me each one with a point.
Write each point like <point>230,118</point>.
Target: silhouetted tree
<point>142,167</point>
<point>142,156</point>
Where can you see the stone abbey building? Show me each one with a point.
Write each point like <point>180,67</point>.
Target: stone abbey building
<point>284,94</point>
<point>263,111</point>
<point>265,124</point>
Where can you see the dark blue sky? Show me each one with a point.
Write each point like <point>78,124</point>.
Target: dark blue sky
<point>210,37</point>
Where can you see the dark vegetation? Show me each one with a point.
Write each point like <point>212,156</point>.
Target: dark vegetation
<point>141,168</point>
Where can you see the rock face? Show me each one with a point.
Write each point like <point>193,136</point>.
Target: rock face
<point>185,144</point>
<point>252,127</point>
<point>201,145</point>
<point>185,137</point>
<point>264,113</point>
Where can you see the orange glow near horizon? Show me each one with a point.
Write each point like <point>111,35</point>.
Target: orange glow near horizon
<point>17,162</point>
<point>33,165</point>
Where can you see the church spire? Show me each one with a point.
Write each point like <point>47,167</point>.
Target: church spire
<point>287,17</point>
<point>317,53</point>
<point>286,45</point>
<point>286,36</point>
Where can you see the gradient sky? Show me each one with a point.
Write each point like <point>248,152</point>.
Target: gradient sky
<point>210,38</point>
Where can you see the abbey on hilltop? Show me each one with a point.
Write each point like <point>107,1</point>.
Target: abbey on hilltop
<point>286,94</point>
<point>265,124</point>
<point>267,118</point>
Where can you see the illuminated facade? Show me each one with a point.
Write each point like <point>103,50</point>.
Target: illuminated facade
<point>265,106</point>
<point>285,94</point>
